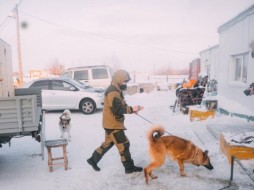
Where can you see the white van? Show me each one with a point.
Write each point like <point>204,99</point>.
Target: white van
<point>95,76</point>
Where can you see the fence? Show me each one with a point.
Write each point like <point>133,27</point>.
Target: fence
<point>141,82</point>
<point>140,77</point>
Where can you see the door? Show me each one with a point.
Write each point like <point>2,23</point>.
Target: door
<point>63,95</point>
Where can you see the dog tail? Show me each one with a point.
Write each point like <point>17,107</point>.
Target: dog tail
<point>155,132</point>
<point>66,115</point>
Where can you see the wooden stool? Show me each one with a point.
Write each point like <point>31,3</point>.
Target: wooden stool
<point>54,144</point>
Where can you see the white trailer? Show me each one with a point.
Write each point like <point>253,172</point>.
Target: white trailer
<point>21,108</point>
<point>6,72</point>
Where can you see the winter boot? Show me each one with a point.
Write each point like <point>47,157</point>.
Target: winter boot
<point>130,168</point>
<point>94,160</point>
<point>133,169</point>
<point>93,164</point>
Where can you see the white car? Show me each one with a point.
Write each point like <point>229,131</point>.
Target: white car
<point>59,94</point>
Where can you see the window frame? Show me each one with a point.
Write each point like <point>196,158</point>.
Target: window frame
<point>67,74</point>
<point>82,74</point>
<point>238,75</point>
<point>65,86</point>
<point>100,73</point>
<point>41,84</point>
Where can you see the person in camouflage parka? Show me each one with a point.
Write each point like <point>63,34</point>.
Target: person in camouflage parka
<point>113,123</point>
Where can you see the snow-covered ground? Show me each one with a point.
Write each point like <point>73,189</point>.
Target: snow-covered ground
<point>22,167</point>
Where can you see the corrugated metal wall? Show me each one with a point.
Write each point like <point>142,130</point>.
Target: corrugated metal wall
<point>6,72</point>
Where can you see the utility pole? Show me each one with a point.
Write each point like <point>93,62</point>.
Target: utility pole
<point>21,82</point>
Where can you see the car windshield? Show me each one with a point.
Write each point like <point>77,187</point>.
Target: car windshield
<point>79,84</point>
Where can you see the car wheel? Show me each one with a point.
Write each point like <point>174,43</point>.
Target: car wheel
<point>87,106</point>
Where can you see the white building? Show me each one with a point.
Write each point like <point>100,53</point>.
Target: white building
<point>231,62</point>
<point>209,62</point>
<point>236,64</point>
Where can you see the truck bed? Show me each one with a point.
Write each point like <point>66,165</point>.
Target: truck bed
<point>19,115</point>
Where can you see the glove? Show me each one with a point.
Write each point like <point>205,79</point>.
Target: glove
<point>136,109</point>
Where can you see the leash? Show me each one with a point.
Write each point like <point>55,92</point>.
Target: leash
<point>144,118</point>
<point>150,122</point>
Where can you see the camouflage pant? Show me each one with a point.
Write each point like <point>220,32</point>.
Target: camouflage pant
<point>117,138</point>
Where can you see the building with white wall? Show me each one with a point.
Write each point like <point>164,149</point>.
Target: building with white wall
<point>235,70</point>
<point>209,62</point>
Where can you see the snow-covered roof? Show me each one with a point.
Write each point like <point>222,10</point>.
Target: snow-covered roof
<point>249,11</point>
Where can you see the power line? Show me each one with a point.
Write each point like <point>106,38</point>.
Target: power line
<point>3,23</point>
<point>84,33</point>
<point>20,2</point>
<point>6,18</point>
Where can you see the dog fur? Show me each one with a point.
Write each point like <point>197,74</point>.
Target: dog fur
<point>65,124</point>
<point>178,149</point>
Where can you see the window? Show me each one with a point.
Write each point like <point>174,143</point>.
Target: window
<point>41,84</point>
<point>81,75</point>
<point>60,85</point>
<point>239,68</point>
<point>99,73</point>
<point>67,75</point>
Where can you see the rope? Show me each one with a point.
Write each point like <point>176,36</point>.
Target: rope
<point>144,118</point>
<point>150,122</point>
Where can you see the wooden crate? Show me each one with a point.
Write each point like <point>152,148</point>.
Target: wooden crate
<point>241,152</point>
<point>201,114</point>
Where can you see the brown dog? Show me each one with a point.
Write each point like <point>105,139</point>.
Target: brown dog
<point>178,149</point>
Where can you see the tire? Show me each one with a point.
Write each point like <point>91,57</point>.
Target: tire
<point>87,106</point>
